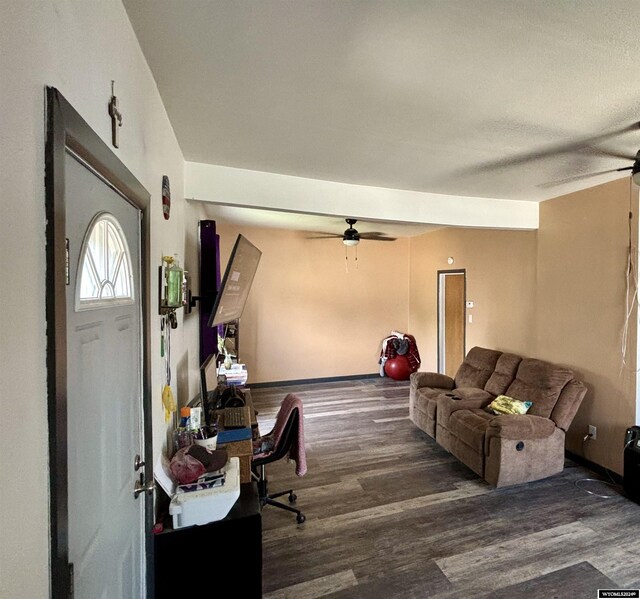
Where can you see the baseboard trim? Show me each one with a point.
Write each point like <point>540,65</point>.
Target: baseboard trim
<point>331,379</point>
<point>578,459</point>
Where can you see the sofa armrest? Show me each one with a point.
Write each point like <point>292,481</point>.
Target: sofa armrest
<point>431,379</point>
<point>568,403</point>
<point>518,427</point>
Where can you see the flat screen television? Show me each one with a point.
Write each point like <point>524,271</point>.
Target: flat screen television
<point>236,282</point>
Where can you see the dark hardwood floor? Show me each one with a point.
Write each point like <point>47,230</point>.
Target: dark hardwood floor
<point>392,514</point>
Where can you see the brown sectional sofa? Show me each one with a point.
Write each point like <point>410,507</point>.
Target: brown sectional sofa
<point>506,449</point>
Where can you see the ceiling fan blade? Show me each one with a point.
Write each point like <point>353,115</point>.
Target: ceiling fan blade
<point>376,237</point>
<point>613,154</point>
<point>561,148</point>
<point>325,236</point>
<point>581,177</point>
<point>351,234</point>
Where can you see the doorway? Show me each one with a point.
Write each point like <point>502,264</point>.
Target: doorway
<point>451,320</point>
<point>97,365</point>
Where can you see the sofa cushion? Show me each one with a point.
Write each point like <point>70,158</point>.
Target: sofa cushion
<point>503,375</point>
<point>540,383</point>
<point>470,393</point>
<point>520,427</point>
<point>477,367</point>
<point>447,405</point>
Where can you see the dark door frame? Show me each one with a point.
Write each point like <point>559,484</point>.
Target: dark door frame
<point>67,130</point>
<point>457,271</point>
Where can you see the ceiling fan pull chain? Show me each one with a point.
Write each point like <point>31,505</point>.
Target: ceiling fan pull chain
<point>356,257</point>
<point>346,259</point>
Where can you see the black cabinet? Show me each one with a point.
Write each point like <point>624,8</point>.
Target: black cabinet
<point>215,558</point>
<point>631,480</point>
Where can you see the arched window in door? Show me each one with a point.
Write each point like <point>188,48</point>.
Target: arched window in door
<point>105,266</point>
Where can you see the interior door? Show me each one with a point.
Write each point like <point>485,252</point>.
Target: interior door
<point>104,388</point>
<point>451,320</point>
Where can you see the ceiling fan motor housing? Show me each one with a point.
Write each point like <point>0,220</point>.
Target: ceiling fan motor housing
<point>351,235</point>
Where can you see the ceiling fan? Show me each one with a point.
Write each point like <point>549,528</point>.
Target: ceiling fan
<point>586,145</point>
<point>634,168</point>
<point>352,237</point>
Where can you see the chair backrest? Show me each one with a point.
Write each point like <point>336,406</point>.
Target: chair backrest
<point>288,434</point>
<point>285,441</point>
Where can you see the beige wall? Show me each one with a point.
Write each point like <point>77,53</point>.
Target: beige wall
<point>556,294</point>
<point>500,270</point>
<point>78,47</point>
<point>306,317</point>
<point>582,261</point>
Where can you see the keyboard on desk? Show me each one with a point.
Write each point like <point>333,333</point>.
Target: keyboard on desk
<point>235,418</point>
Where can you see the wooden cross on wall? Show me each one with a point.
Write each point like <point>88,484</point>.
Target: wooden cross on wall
<point>116,118</point>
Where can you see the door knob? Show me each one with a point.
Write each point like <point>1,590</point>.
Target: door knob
<point>137,463</point>
<point>140,487</point>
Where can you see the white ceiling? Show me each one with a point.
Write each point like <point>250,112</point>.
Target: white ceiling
<point>494,99</point>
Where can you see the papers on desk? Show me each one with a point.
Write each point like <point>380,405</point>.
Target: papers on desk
<point>162,474</point>
<point>207,481</point>
<point>236,375</point>
<point>207,505</point>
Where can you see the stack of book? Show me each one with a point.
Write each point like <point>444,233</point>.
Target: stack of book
<point>207,481</point>
<point>236,375</point>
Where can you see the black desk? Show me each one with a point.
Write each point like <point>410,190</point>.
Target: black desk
<point>215,559</point>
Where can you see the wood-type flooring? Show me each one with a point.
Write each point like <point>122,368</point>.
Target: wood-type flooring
<point>392,514</point>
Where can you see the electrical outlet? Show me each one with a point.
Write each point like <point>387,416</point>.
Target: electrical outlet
<point>592,432</point>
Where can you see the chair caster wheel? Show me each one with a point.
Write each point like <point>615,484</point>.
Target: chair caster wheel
<point>292,497</point>
<point>301,518</point>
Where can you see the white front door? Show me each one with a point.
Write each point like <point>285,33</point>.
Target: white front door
<point>104,405</point>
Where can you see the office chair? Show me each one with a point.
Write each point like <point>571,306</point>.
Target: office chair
<point>283,447</point>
